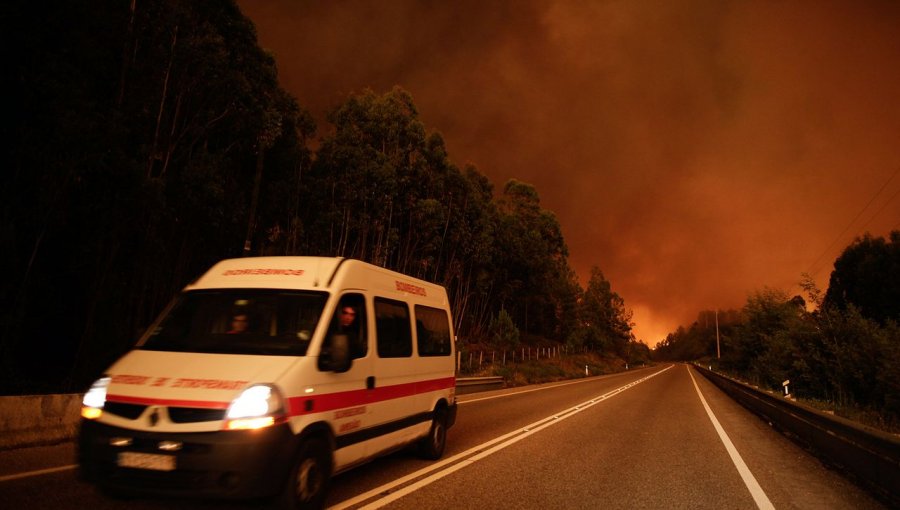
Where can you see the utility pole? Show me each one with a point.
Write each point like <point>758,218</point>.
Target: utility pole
<point>718,350</point>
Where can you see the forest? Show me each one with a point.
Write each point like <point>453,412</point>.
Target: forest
<point>840,347</point>
<point>147,140</point>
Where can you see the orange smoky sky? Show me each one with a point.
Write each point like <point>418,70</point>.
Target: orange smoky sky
<point>694,151</point>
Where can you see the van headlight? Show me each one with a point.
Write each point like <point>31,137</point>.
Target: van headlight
<point>256,407</point>
<point>94,400</point>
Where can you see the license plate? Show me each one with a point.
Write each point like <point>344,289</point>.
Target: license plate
<point>153,461</point>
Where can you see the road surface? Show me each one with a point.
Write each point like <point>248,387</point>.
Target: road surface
<point>659,437</point>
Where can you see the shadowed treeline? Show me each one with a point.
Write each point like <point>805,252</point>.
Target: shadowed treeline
<point>147,140</point>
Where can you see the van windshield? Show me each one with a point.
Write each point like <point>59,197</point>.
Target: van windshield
<point>239,321</point>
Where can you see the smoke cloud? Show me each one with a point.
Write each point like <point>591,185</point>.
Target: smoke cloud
<point>695,151</point>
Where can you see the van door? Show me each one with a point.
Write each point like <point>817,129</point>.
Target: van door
<point>395,413</point>
<point>348,397</point>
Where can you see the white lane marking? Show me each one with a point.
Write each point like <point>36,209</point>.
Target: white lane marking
<point>759,495</point>
<point>460,402</point>
<point>16,476</point>
<point>390,491</point>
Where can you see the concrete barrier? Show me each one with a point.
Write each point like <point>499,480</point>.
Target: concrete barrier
<point>33,420</point>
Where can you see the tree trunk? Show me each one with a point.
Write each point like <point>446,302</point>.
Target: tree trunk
<point>162,106</point>
<point>126,59</point>
<point>254,201</point>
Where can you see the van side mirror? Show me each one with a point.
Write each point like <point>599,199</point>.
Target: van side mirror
<point>338,357</point>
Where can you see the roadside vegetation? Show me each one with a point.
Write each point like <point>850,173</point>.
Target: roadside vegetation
<point>839,349</point>
<point>573,366</point>
<point>548,363</point>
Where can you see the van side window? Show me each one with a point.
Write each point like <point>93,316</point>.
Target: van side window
<point>393,329</point>
<point>432,331</point>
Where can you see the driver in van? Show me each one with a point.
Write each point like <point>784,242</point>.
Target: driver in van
<point>348,325</point>
<point>239,323</point>
<point>347,319</point>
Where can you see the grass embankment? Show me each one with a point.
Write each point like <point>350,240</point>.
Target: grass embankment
<point>545,369</point>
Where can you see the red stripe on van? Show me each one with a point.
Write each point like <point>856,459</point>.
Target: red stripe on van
<point>321,403</point>
<point>340,400</point>
<point>206,404</point>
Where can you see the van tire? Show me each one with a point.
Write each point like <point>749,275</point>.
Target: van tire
<point>432,446</point>
<point>307,484</point>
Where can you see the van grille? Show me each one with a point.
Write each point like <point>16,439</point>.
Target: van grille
<point>130,411</point>
<point>176,414</point>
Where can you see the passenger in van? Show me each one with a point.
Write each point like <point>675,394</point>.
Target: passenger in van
<point>239,323</point>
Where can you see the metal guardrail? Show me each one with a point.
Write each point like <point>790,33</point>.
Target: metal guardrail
<point>869,456</point>
<point>475,384</point>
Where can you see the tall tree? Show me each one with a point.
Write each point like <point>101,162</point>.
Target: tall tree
<point>867,276</point>
<point>385,192</point>
<point>374,176</point>
<point>136,136</point>
<point>531,261</point>
<point>605,322</point>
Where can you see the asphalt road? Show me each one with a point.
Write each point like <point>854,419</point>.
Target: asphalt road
<point>640,439</point>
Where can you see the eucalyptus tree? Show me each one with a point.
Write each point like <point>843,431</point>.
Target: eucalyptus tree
<point>372,175</point>
<point>531,262</point>
<point>386,192</point>
<point>139,136</point>
<point>867,276</point>
<point>604,321</point>
<point>203,106</point>
<point>468,248</point>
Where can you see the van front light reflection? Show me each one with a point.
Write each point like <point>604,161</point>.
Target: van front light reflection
<point>95,398</point>
<point>256,407</point>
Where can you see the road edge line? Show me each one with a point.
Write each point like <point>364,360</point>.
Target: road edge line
<point>756,491</point>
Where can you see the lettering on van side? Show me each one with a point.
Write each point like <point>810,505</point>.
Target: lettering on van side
<point>350,425</point>
<point>352,411</point>
<point>130,379</point>
<point>412,289</point>
<point>208,384</point>
<point>278,272</point>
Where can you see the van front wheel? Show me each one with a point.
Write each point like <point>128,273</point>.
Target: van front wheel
<point>308,484</point>
<point>432,446</point>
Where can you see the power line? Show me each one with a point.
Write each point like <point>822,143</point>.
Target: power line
<point>840,236</point>
<point>883,206</point>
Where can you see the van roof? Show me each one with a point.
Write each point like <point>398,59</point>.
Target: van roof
<point>268,272</point>
<point>318,273</point>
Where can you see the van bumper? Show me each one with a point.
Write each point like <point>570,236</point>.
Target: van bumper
<point>221,464</point>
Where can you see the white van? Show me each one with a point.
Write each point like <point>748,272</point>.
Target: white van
<point>268,375</point>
